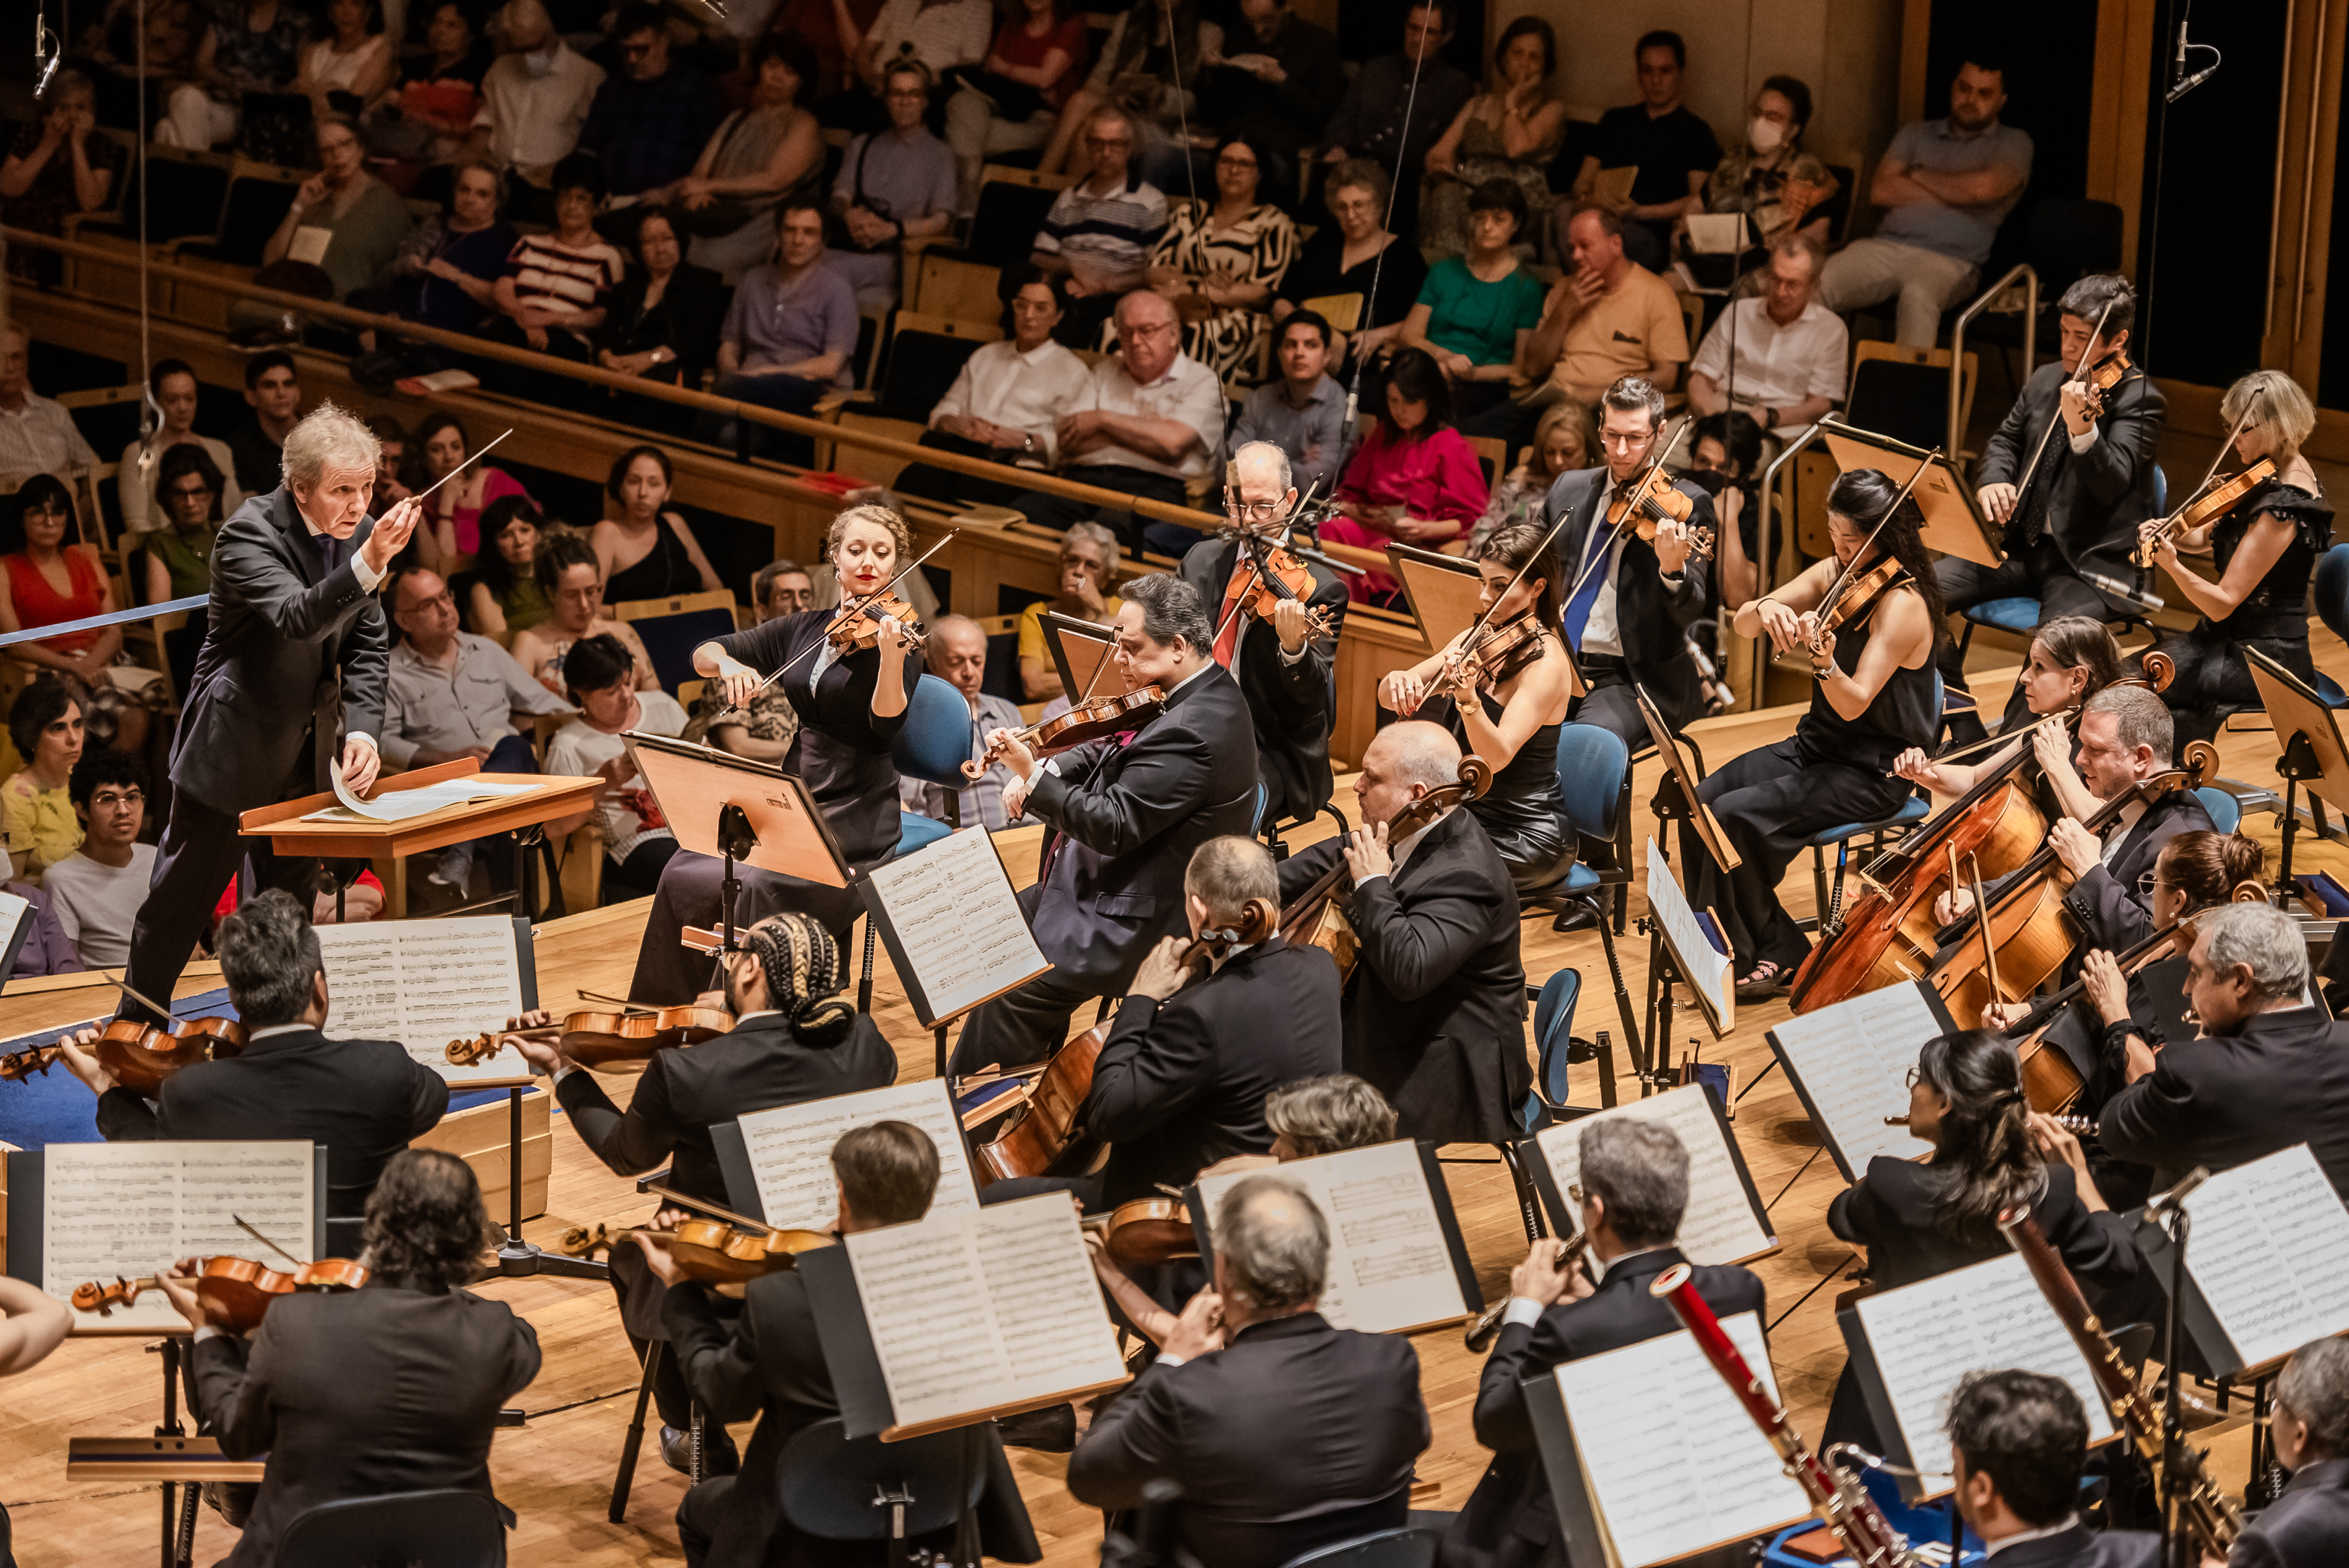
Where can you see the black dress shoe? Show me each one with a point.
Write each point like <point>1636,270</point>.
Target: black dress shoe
<point>718,1456</point>
<point>1051,1431</point>
<point>1581,917</point>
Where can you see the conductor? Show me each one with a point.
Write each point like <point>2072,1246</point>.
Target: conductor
<point>296,655</point>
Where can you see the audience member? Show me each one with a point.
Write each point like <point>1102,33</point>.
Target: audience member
<point>1728,447</point>
<point>1946,185</point>
<point>647,551</point>
<point>1474,311</point>
<point>2307,1525</point>
<point>779,588</point>
<point>1355,255</point>
<point>368,222</point>
<point>830,31</point>
<point>1673,149</point>
<point>1088,565</point>
<point>534,101</point>
<point>245,72</point>
<point>451,524</point>
<point>180,554</point>
<point>44,722</point>
<point>556,287</point>
<point>637,844</point>
<point>1099,234</point>
<point>1608,318</point>
<point>958,655</point>
<point>1303,411</point>
<point>274,395</point>
<point>1024,382</point>
<point>96,891</point>
<point>1219,263</point>
<point>351,66</point>
<point>1151,74</point>
<point>1781,187</point>
<point>572,582</point>
<point>895,184</point>
<point>446,275</point>
<point>46,949</point>
<point>49,581</point>
<point>390,486</point>
<point>1563,441</point>
<point>1013,101</point>
<point>1513,132</point>
<point>1397,106</point>
<point>760,154</point>
<point>1781,356</point>
<point>1149,418</point>
<point>648,122</point>
<point>940,35</point>
<point>789,336</point>
<point>1278,91</point>
<point>59,166</point>
<point>505,598</point>
<point>663,320</point>
<point>430,116</point>
<point>37,436</point>
<point>161,35</point>
<point>139,478</point>
<point>1414,478</point>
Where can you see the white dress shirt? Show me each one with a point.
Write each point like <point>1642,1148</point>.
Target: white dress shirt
<point>534,121</point>
<point>1601,635</point>
<point>1188,394</point>
<point>1777,367</point>
<point>1992,1548</point>
<point>1025,392</point>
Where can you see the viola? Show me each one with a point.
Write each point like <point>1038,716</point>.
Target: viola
<point>1146,1231</point>
<point>2205,507</point>
<point>1313,919</point>
<point>711,1250</point>
<point>605,1041</point>
<point>861,627</point>
<point>1092,719</point>
<point>237,1289</point>
<point>141,1056</point>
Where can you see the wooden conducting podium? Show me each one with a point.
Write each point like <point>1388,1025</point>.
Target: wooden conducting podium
<point>535,798</point>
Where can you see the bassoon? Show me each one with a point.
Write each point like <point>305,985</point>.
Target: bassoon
<point>1841,1504</point>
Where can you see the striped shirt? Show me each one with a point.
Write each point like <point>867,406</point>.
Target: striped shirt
<point>41,438</point>
<point>560,278</point>
<point>1108,235</point>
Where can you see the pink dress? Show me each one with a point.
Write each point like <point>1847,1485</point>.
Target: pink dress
<point>1437,478</point>
<point>465,521</point>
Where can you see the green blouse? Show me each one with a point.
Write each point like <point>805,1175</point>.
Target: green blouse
<point>186,558</point>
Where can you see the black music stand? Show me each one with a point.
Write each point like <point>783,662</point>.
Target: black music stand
<point>2314,755</point>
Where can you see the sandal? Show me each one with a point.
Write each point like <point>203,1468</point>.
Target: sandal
<point>1765,980</point>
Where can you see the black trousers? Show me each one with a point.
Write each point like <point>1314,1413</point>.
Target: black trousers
<point>946,485</point>
<point>1057,513</point>
<point>1024,1024</point>
<point>699,1515</point>
<point>2038,572</point>
<point>1610,703</point>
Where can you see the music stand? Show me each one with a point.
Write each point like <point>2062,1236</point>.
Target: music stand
<point>1081,650</point>
<point>737,810</point>
<point>1954,525</point>
<point>1679,780</point>
<point>2312,753</point>
<point>1442,590</point>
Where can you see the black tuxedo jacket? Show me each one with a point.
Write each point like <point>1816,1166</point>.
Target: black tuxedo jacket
<point>762,1064</point>
<point>1509,1521</point>
<point>1291,701</point>
<point>2106,902</point>
<point>2224,1102</point>
<point>1651,612</point>
<point>1180,1084</point>
<point>1294,1436</point>
<point>1125,820</point>
<point>2089,503</point>
<point>1890,1211</point>
<point>1434,1008</point>
<point>364,1099</point>
<point>2307,1526</point>
<point>378,1391</point>
<point>282,627</point>
<point>2080,1547</point>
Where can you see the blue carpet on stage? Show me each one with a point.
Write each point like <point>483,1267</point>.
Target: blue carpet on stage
<point>56,1109</point>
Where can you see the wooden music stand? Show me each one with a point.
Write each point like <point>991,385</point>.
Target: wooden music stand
<point>1954,525</point>
<point>1680,776</point>
<point>1081,651</point>
<point>732,809</point>
<point>1443,591</point>
<point>2312,753</point>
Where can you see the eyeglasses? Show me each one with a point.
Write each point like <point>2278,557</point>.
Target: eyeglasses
<point>444,597</point>
<point>2145,882</point>
<point>105,800</point>
<point>1254,511</point>
<point>1916,1076</point>
<point>195,491</point>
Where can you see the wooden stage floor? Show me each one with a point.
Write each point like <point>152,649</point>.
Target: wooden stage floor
<point>556,1470</point>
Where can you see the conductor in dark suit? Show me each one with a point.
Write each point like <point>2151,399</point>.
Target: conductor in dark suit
<point>295,652</point>
<point>1285,674</point>
<point>2018,1442</point>
<point>1635,1183</point>
<point>395,1386</point>
<point>2307,1526</point>
<point>2095,483</point>
<point>768,1361</point>
<point>1434,1008</point>
<point>364,1099</point>
<point>1124,814</point>
<point>794,1038</point>
<point>1284,1434</point>
<point>1629,601</point>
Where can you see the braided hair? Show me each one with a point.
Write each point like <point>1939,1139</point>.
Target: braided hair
<point>804,971</point>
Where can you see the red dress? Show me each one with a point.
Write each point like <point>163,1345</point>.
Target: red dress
<point>1437,479</point>
<point>38,603</point>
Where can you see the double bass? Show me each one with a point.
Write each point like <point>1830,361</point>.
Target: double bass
<point>1313,918</point>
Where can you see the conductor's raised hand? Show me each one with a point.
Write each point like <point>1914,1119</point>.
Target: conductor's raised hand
<point>360,765</point>
<point>1366,853</point>
<point>390,534</point>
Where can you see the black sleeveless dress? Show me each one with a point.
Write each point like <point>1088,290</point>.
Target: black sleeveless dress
<point>666,570</point>
<point>1904,713</point>
<point>1522,811</point>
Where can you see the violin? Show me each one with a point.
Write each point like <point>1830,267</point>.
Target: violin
<point>1146,1231</point>
<point>141,1056</point>
<point>236,1289</point>
<point>1313,919</point>
<point>606,1041</point>
<point>1646,505</point>
<point>1276,576</point>
<point>2205,507</point>
<point>18,1066</point>
<point>1498,652</point>
<point>2102,376</point>
<point>1857,596</point>
<point>861,627</point>
<point>1089,720</point>
<point>711,1250</point>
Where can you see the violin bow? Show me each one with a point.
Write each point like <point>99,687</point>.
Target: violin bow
<point>144,1000</point>
<point>1631,511</point>
<point>847,610</point>
<point>265,1241</point>
<point>2030,469</point>
<point>706,1207</point>
<point>2213,471</point>
<point>1842,584</point>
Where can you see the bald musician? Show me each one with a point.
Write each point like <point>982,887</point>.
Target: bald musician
<point>1435,1007</point>
<point>2307,1526</point>
<point>2018,1442</point>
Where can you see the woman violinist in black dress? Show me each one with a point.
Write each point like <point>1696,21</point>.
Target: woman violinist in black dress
<point>1508,714</point>
<point>851,708</point>
<point>2266,548</point>
<point>1873,700</point>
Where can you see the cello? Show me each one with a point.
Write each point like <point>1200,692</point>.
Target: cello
<point>1313,918</point>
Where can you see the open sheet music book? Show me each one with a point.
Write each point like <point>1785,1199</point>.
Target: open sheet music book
<point>953,925</point>
<point>1651,1457</point>
<point>1694,939</point>
<point>1724,1222</point>
<point>961,1316</point>
<point>2267,1261</point>
<point>425,983</point>
<point>124,1209</point>
<point>422,801</point>
<point>1909,1347</point>
<point>1849,1064</point>
<point>790,1150</point>
<point>1397,1261</point>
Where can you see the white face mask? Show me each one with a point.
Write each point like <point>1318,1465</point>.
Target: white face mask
<point>1765,135</point>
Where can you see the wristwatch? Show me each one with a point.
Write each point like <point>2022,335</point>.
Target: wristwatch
<point>1028,443</point>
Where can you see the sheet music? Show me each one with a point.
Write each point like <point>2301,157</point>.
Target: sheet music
<point>1986,1316</point>
<point>1672,1461</point>
<point>1705,967</point>
<point>984,1308</point>
<point>791,1150</point>
<point>1852,1060</point>
<point>2270,1252</point>
<point>957,922</point>
<point>425,983</point>
<point>1389,1268</point>
<point>1720,1224</point>
<point>399,805</point>
<point>128,1209</point>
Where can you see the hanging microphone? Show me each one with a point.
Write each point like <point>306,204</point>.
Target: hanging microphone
<point>2164,1203</point>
